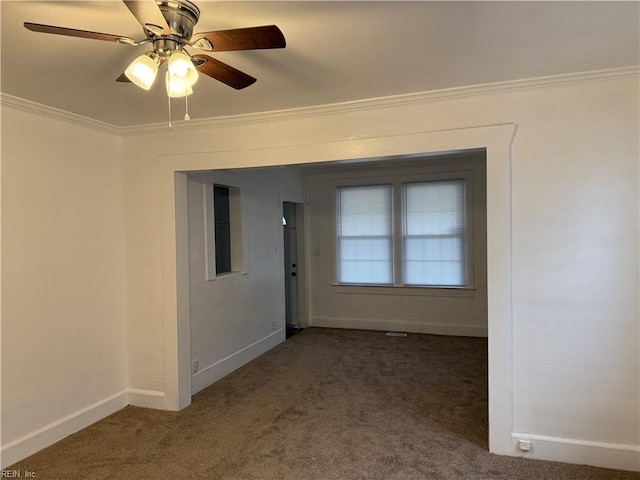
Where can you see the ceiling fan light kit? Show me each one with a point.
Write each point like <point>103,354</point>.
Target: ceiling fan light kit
<point>143,70</point>
<point>181,70</point>
<point>168,27</point>
<point>176,91</point>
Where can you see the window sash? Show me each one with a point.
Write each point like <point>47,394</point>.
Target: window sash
<point>364,223</point>
<point>437,256</point>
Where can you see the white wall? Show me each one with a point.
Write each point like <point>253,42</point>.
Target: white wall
<point>575,279</point>
<point>436,311</point>
<point>238,316</point>
<point>64,360</point>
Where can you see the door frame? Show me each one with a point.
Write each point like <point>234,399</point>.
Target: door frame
<point>303,297</point>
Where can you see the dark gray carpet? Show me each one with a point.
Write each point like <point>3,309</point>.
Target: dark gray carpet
<point>327,404</point>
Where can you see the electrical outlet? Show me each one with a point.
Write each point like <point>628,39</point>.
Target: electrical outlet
<point>273,326</point>
<point>195,366</point>
<point>524,445</point>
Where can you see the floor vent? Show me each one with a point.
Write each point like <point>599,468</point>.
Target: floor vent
<point>396,334</point>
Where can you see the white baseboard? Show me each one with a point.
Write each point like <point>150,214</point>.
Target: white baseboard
<point>569,450</point>
<point>399,326</point>
<point>48,435</point>
<point>224,367</point>
<point>146,398</point>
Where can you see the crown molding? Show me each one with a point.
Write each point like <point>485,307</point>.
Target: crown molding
<point>400,100</point>
<point>28,106</point>
<point>509,86</point>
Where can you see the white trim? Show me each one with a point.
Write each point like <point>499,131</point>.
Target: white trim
<point>336,235</point>
<point>146,398</point>
<point>496,139</point>
<point>238,210</point>
<point>398,100</point>
<point>222,368</point>
<point>177,334</point>
<point>582,452</point>
<point>303,261</point>
<point>551,81</point>
<point>33,442</point>
<point>398,182</point>
<point>399,326</point>
<point>403,290</point>
<point>28,106</point>
<point>500,288</point>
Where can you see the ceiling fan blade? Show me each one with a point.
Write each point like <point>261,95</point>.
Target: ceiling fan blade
<point>268,36</point>
<point>223,72</point>
<point>72,32</point>
<point>148,14</point>
<point>123,79</point>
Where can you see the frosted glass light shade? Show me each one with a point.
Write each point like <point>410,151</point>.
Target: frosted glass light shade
<point>143,71</point>
<point>181,70</point>
<point>176,91</point>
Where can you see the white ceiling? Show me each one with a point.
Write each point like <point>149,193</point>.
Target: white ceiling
<point>336,52</point>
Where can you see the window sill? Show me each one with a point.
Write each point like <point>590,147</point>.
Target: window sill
<point>402,290</point>
<point>225,275</point>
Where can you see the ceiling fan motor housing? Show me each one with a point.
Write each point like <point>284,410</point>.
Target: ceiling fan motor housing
<point>165,46</point>
<point>181,16</point>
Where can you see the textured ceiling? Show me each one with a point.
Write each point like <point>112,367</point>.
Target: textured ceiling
<point>336,52</point>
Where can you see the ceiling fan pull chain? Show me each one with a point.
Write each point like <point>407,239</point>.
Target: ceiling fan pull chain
<point>186,108</point>
<point>169,100</point>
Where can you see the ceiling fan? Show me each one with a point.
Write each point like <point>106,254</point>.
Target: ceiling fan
<point>168,27</point>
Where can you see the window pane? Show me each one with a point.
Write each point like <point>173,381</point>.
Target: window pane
<point>363,249</point>
<point>365,210</point>
<point>434,261</point>
<point>221,204</point>
<point>365,261</point>
<point>434,240</point>
<point>223,248</point>
<point>222,228</point>
<point>364,235</point>
<point>434,208</point>
<point>433,273</point>
<point>434,249</point>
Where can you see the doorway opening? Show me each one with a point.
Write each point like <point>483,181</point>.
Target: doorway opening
<point>495,139</point>
<point>293,258</point>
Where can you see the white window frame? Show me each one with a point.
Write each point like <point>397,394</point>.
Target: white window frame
<point>398,182</point>
<point>239,228</point>
<point>392,243</point>
<point>467,250</point>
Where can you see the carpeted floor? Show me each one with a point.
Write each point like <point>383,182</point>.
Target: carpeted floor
<point>327,404</point>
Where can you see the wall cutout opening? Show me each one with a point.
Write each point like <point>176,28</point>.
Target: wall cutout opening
<point>223,216</point>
